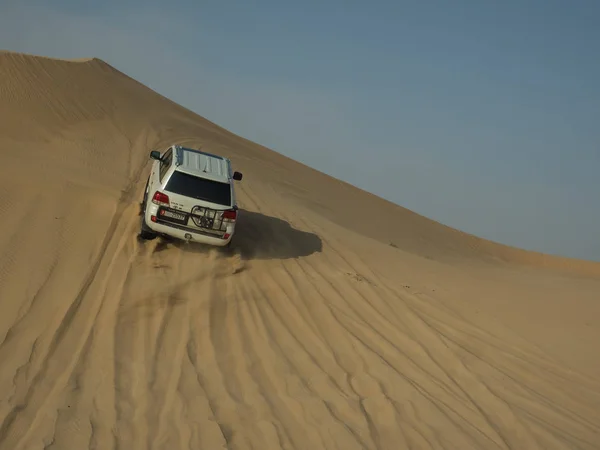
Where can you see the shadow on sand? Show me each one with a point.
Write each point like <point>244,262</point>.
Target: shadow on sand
<point>258,236</point>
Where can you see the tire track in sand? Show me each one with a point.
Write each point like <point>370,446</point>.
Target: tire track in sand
<point>25,413</point>
<point>87,391</point>
<point>132,352</point>
<point>173,336</point>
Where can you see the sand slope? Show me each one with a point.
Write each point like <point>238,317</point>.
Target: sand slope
<point>320,335</point>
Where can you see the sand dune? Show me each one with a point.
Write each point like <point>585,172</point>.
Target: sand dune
<point>323,329</point>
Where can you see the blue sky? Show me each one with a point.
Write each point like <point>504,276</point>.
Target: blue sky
<point>481,115</point>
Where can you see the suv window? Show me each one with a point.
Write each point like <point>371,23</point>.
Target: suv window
<point>200,188</point>
<point>165,163</point>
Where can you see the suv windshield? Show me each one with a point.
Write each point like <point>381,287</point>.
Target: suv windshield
<point>200,188</point>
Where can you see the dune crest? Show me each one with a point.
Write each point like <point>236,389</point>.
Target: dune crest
<point>320,331</point>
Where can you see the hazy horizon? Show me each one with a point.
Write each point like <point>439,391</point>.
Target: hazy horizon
<point>484,119</point>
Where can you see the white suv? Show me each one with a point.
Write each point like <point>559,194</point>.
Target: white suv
<point>190,195</point>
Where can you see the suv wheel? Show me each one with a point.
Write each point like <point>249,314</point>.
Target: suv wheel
<point>145,232</point>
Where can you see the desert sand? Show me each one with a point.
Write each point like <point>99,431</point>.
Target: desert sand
<point>324,329</point>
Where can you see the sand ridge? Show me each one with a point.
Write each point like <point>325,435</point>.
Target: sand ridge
<point>314,332</point>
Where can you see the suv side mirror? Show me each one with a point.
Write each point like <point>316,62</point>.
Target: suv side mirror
<point>237,176</point>
<point>155,154</point>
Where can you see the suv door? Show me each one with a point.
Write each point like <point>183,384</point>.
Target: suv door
<point>165,165</point>
<point>157,175</point>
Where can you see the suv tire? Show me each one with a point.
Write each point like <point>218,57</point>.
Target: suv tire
<point>145,232</point>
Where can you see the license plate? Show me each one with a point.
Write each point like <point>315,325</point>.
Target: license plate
<point>172,215</point>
